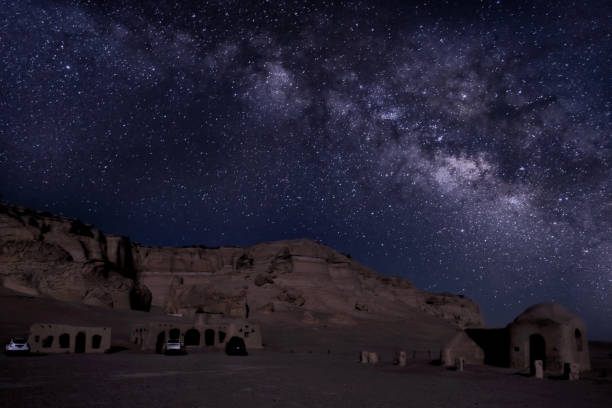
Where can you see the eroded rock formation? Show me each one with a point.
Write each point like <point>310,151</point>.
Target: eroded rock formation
<point>43,254</point>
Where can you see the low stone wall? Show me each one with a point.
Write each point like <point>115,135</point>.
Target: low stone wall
<point>57,338</point>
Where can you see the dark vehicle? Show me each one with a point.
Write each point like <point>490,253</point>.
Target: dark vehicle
<point>236,347</point>
<point>17,345</point>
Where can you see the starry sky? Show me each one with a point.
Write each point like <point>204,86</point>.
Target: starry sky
<point>465,145</point>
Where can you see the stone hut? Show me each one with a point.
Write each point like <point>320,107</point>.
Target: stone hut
<point>462,346</point>
<point>551,333</point>
<point>200,334</point>
<point>57,338</point>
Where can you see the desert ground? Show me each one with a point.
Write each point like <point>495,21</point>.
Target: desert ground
<point>300,366</point>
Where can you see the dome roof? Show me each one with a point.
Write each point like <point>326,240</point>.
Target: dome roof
<point>546,311</point>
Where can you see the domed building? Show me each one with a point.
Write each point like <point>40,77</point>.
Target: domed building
<point>551,333</point>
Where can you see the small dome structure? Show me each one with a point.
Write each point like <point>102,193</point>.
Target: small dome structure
<point>551,333</point>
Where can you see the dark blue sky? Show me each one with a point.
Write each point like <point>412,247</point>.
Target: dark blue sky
<point>465,145</point>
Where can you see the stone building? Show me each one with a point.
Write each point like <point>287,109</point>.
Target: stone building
<point>551,333</point>
<point>546,331</point>
<point>57,338</point>
<point>462,346</point>
<point>202,333</point>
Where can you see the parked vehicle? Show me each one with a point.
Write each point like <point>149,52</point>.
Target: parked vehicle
<point>236,347</point>
<point>174,346</point>
<point>17,345</point>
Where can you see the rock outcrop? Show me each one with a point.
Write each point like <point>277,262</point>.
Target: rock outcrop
<point>63,258</point>
<point>43,254</point>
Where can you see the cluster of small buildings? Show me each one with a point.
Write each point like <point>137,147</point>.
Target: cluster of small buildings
<point>204,332</point>
<point>545,337</point>
<point>545,334</point>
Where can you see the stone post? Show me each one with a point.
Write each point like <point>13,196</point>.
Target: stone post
<point>539,369</point>
<point>373,357</point>
<point>364,357</point>
<point>401,358</point>
<point>459,362</point>
<point>571,371</point>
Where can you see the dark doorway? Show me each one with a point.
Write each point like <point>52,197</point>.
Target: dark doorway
<point>79,343</point>
<point>174,334</point>
<point>537,351</point>
<point>209,337</point>
<point>221,336</point>
<point>159,344</point>
<point>64,340</point>
<point>235,347</point>
<point>96,341</point>
<point>192,337</point>
<point>495,343</point>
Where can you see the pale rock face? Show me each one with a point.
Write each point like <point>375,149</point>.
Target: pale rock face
<point>54,256</point>
<point>297,275</point>
<point>66,259</point>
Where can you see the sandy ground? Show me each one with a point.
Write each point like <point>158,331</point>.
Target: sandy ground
<point>265,379</point>
<point>301,366</point>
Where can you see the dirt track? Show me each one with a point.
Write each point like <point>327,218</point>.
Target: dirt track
<point>265,378</point>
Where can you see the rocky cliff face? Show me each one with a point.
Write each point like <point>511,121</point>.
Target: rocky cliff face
<point>43,254</point>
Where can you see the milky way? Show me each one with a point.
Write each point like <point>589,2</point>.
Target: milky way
<point>465,145</point>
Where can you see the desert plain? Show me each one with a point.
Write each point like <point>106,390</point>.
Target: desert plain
<point>314,366</point>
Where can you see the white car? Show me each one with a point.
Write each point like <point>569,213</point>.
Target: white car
<point>17,345</point>
<point>174,346</point>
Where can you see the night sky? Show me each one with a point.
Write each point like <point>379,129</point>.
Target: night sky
<point>465,145</point>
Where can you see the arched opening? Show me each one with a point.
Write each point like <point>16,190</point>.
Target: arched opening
<point>222,336</point>
<point>79,343</point>
<point>96,341</point>
<point>192,337</point>
<point>236,347</point>
<point>209,337</point>
<point>64,340</point>
<point>174,334</point>
<point>578,337</point>
<point>537,351</point>
<point>159,344</point>
<point>47,342</point>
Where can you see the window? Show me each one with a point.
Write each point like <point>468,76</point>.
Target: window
<point>47,342</point>
<point>578,336</point>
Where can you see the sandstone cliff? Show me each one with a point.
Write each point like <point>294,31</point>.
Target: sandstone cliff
<point>47,255</point>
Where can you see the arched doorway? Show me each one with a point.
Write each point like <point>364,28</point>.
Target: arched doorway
<point>159,344</point>
<point>209,337</point>
<point>79,343</point>
<point>192,337</point>
<point>174,334</point>
<point>537,351</point>
<point>64,340</point>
